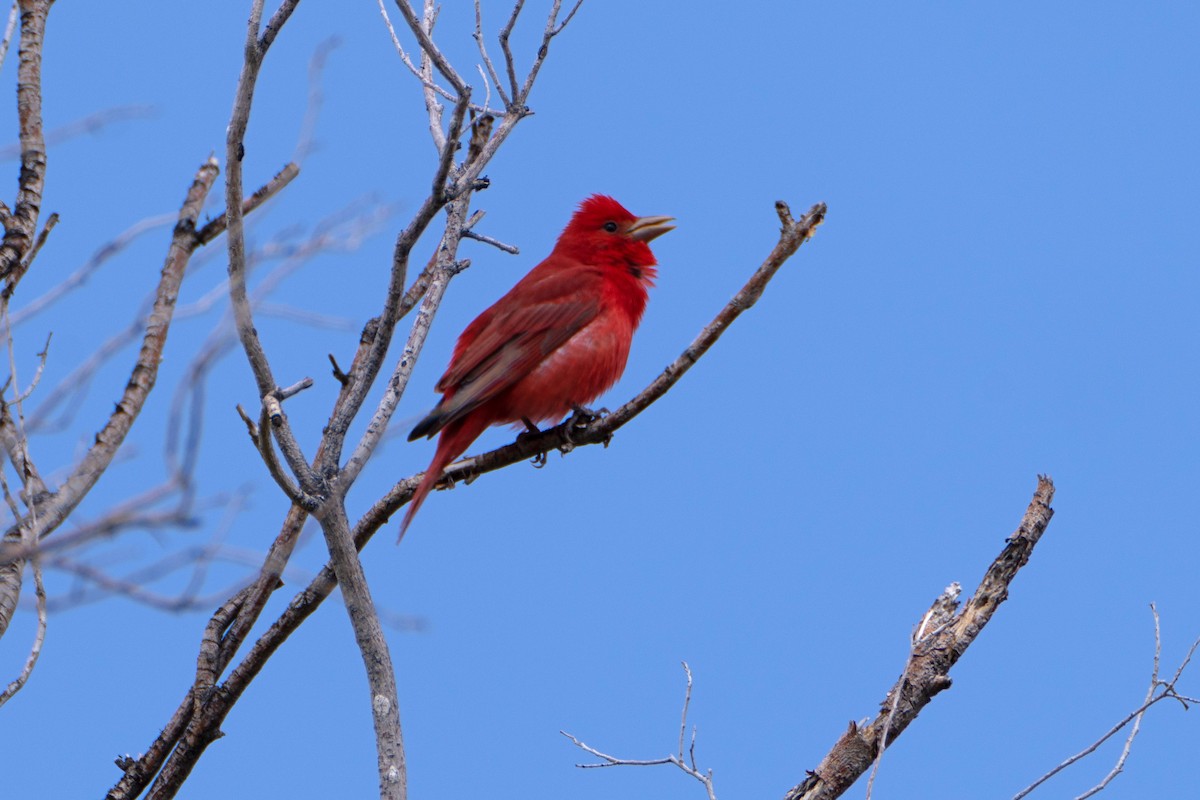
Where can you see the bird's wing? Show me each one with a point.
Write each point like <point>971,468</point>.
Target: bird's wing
<point>511,338</point>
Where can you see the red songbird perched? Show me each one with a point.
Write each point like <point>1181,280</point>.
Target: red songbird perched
<point>555,342</point>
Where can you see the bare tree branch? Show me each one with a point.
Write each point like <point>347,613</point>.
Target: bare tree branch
<point>305,142</point>
<point>9,27</point>
<point>491,67</point>
<point>1159,690</point>
<point>50,513</point>
<point>677,758</point>
<point>80,277</point>
<point>395,387</point>
<point>255,51</point>
<point>198,729</point>
<point>39,637</point>
<point>18,453</point>
<point>927,671</point>
<point>195,725</point>
<point>21,225</point>
<point>216,227</point>
<point>89,124</point>
<point>423,30</point>
<point>934,622</point>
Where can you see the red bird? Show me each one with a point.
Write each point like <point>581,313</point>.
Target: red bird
<point>555,342</point>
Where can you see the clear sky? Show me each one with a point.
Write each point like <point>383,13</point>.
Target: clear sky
<point>1006,284</point>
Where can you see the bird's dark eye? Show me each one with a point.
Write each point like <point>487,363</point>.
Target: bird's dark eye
<point>610,226</point>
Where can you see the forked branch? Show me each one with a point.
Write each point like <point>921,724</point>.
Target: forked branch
<point>1159,690</point>
<point>687,764</point>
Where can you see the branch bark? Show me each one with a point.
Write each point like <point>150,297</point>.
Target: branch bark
<point>21,226</point>
<point>49,512</point>
<point>951,632</point>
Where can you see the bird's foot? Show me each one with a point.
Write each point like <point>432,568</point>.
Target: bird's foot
<point>584,415</point>
<point>579,421</point>
<point>538,460</point>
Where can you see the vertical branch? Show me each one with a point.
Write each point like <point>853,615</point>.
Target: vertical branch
<point>9,28</point>
<point>21,225</point>
<point>255,51</point>
<point>381,676</point>
<point>491,67</point>
<point>445,268</point>
<point>16,444</point>
<point>553,28</point>
<point>433,108</point>
<point>464,181</point>
<point>509,65</point>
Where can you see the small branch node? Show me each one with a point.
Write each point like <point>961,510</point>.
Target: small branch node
<point>496,243</point>
<point>341,377</point>
<point>250,426</point>
<point>294,389</point>
<point>273,410</point>
<point>785,213</point>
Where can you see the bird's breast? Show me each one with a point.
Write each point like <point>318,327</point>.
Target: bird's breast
<point>575,374</point>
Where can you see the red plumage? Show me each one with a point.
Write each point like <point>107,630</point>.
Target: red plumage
<point>556,341</point>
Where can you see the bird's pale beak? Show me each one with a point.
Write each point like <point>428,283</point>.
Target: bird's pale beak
<point>645,229</point>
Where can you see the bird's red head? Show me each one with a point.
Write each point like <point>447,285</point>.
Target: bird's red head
<point>603,231</point>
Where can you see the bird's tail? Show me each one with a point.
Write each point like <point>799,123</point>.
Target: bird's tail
<point>455,439</point>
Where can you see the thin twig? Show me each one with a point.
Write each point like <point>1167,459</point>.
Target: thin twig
<point>422,30</point>
<point>433,109</point>
<point>80,276</point>
<point>89,124</point>
<point>216,226</point>
<point>255,51</point>
<point>9,27</point>
<point>32,490</point>
<point>39,636</point>
<point>496,243</point>
<point>427,83</point>
<point>1137,722</point>
<point>394,389</point>
<point>316,97</point>
<point>553,28</point>
<point>487,60</point>
<point>1159,690</point>
<point>705,777</point>
<point>687,700</point>
<point>509,65</point>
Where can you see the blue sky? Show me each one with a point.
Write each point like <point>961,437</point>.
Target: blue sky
<point>1006,285</point>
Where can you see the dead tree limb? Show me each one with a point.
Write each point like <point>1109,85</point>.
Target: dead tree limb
<point>950,631</point>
